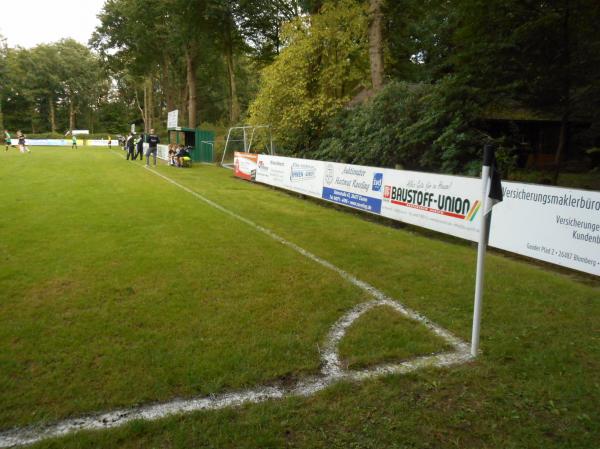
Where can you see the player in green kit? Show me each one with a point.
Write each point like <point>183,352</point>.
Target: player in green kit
<point>74,140</point>
<point>7,140</point>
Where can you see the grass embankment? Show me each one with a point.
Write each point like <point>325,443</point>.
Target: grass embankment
<point>121,289</point>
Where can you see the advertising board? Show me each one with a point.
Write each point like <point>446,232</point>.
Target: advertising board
<point>354,186</point>
<point>44,142</point>
<point>162,151</point>
<point>556,225</point>
<point>448,204</point>
<point>101,142</point>
<point>173,119</point>
<point>298,175</point>
<point>245,165</point>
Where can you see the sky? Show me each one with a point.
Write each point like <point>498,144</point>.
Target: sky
<point>27,23</point>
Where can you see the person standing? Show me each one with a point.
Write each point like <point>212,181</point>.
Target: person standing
<point>130,145</point>
<point>109,143</point>
<point>22,142</point>
<point>153,142</point>
<point>74,142</point>
<point>139,148</point>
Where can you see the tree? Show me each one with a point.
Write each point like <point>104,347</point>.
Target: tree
<point>376,43</point>
<point>323,63</point>
<point>78,75</point>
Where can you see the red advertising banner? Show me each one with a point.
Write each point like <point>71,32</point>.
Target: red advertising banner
<point>245,165</point>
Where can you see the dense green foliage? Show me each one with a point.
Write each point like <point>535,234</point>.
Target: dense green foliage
<point>43,86</point>
<point>323,63</point>
<point>452,65</point>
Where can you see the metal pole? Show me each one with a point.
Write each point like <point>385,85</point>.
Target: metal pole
<point>481,248</point>
<point>226,144</point>
<point>252,137</point>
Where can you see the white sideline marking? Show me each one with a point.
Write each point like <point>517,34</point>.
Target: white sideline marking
<point>332,370</point>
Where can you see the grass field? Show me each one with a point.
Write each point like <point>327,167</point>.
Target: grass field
<point>118,289</point>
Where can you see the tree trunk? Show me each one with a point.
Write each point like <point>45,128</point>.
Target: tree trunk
<point>145,111</point>
<point>234,105</point>
<point>137,102</point>
<point>191,82</point>
<point>376,43</point>
<point>150,105</point>
<point>168,87</point>
<point>52,110</point>
<point>563,140</point>
<point>71,115</point>
<point>315,7</point>
<point>183,102</point>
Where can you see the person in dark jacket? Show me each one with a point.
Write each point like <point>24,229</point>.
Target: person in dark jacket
<point>139,146</point>
<point>130,146</point>
<point>181,155</point>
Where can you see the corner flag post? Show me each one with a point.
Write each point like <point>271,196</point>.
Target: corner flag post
<point>491,192</point>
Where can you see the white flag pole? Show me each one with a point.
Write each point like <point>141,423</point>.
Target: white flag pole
<point>481,248</point>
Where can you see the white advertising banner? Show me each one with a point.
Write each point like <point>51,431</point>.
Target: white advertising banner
<point>298,175</point>
<point>448,204</point>
<point>101,142</point>
<point>173,119</point>
<point>162,151</point>
<point>556,225</point>
<point>44,142</point>
<point>349,185</point>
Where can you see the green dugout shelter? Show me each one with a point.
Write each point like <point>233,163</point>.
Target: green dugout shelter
<point>201,141</point>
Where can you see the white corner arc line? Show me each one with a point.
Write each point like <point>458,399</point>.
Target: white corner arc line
<point>331,371</point>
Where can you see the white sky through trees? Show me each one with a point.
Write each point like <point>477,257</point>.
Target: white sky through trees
<point>27,23</point>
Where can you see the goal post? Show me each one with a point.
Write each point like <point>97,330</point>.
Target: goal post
<point>242,138</point>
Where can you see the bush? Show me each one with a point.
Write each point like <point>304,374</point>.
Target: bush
<point>415,126</point>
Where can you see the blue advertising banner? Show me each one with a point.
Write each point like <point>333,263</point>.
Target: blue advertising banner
<point>350,199</point>
<point>353,186</point>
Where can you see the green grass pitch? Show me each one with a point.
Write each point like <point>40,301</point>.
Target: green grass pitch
<point>119,289</point>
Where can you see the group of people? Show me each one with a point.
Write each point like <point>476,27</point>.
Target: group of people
<point>22,141</point>
<point>135,146</point>
<point>179,156</point>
